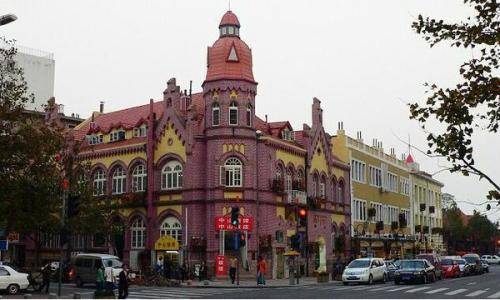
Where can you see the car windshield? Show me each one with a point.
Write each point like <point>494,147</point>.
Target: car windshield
<point>447,262</point>
<point>397,262</point>
<point>412,264</point>
<point>470,259</point>
<point>115,263</point>
<point>430,258</point>
<point>461,261</point>
<point>359,264</point>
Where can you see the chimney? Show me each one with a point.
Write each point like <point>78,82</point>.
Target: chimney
<point>101,107</point>
<point>266,118</point>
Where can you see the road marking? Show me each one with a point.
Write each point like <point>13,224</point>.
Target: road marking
<point>495,295</point>
<point>381,288</point>
<point>343,288</point>
<point>436,290</point>
<point>476,293</point>
<point>456,292</point>
<point>400,288</point>
<point>360,288</point>
<point>418,289</point>
<point>471,283</point>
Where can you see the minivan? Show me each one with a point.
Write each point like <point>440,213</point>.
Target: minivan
<point>85,266</point>
<point>365,270</point>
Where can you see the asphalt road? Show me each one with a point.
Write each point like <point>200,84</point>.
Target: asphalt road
<point>486,286</point>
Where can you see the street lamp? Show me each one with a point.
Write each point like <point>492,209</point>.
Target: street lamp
<point>6,19</point>
<point>258,134</point>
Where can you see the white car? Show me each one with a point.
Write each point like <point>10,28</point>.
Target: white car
<point>12,281</point>
<point>491,259</point>
<point>365,270</point>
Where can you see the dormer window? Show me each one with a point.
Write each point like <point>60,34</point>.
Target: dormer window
<point>95,139</point>
<point>141,131</point>
<point>287,134</point>
<point>117,136</point>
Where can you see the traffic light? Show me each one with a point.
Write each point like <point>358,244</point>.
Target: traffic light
<point>302,217</point>
<point>235,213</point>
<point>73,203</point>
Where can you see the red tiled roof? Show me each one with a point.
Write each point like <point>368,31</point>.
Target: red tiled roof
<point>220,68</point>
<point>132,141</point>
<point>229,18</point>
<point>409,159</point>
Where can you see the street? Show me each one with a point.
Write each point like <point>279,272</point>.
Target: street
<point>486,286</point>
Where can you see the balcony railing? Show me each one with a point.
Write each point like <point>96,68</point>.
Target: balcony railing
<point>299,197</point>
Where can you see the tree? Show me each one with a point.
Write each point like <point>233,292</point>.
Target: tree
<point>453,227</point>
<point>474,103</point>
<point>480,231</point>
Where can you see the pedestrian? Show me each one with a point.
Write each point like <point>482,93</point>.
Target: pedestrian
<point>100,276</point>
<point>202,271</point>
<point>233,264</point>
<point>261,271</point>
<point>46,272</point>
<point>167,267</point>
<point>123,283</point>
<point>109,277</point>
<point>159,265</point>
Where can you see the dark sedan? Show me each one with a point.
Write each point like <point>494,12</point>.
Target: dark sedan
<point>415,270</point>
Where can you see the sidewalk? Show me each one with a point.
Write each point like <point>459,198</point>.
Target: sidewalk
<point>270,283</point>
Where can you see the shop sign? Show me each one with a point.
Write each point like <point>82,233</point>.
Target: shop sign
<point>224,223</point>
<point>220,265</point>
<point>4,245</point>
<point>167,242</point>
<point>13,237</point>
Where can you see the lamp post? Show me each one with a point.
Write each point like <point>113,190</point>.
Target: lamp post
<point>258,134</point>
<point>8,18</point>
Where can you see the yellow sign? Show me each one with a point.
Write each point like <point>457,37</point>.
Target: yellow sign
<point>167,243</point>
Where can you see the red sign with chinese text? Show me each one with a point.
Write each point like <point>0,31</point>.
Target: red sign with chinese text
<point>220,265</point>
<point>224,223</point>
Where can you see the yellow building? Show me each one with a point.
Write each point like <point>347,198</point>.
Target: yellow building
<point>380,197</point>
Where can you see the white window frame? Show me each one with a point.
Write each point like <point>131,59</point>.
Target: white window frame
<point>139,178</point>
<point>288,181</point>
<point>138,234</point>
<point>379,211</point>
<point>322,188</point>
<point>392,182</point>
<point>115,135</point>
<point>141,131</point>
<point>405,186</point>
<point>95,139</point>
<point>119,181</point>
<point>215,109</point>
<point>375,176</point>
<point>99,182</point>
<point>358,171</point>
<point>171,175</point>
<point>233,109</point>
<point>359,211</point>
<point>171,226</point>
<point>231,173</point>
<point>249,115</point>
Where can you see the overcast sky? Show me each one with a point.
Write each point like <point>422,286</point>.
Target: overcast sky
<point>360,58</point>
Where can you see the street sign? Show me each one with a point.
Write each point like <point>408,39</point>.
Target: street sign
<point>224,223</point>
<point>4,245</point>
<point>220,265</point>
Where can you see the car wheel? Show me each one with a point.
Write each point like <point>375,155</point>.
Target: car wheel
<point>13,289</point>
<point>370,279</point>
<point>79,282</point>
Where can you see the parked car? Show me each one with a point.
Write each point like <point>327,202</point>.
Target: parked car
<point>365,270</point>
<point>435,260</point>
<point>12,281</point>
<point>450,268</point>
<point>475,262</point>
<point>486,266</point>
<point>390,269</point>
<point>85,266</point>
<point>491,259</point>
<point>465,268</point>
<point>415,270</point>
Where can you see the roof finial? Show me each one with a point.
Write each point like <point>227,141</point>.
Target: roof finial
<point>229,5</point>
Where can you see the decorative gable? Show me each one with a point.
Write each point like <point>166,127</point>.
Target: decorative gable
<point>233,56</point>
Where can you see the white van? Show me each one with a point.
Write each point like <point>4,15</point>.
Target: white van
<point>85,266</point>
<point>365,270</point>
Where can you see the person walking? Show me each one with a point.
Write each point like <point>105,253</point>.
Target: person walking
<point>110,278</point>
<point>261,271</point>
<point>123,283</point>
<point>233,264</point>
<point>100,276</point>
<point>45,279</point>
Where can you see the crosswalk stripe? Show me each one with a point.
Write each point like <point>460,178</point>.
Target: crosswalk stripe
<point>476,293</point>
<point>177,294</point>
<point>436,290</point>
<point>495,295</point>
<point>455,292</point>
<point>360,288</point>
<point>418,289</point>
<point>381,288</point>
<point>400,288</point>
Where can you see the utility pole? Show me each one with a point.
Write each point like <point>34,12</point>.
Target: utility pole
<point>63,217</point>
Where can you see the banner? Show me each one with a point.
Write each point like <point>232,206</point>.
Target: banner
<point>220,265</point>
<point>224,223</point>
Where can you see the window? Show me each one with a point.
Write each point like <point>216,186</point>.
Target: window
<point>404,186</point>
<point>379,211</point>
<point>393,182</point>
<point>119,180</point>
<point>171,227</point>
<point>99,182</point>
<point>300,178</point>
<point>215,114</point>
<point>340,192</point>
<point>287,134</point>
<point>50,240</point>
<point>140,131</point>
<point>358,171</point>
<point>249,115</point>
<point>231,30</point>
<point>117,136</point>
<point>315,186</point>
<point>139,177</point>
<point>359,210</point>
<point>406,213</point>
<point>288,180</point>
<point>322,191</point>
<point>233,113</point>
<point>78,241</point>
<point>4,272</point>
<point>171,176</point>
<point>231,173</point>
<point>95,139</point>
<point>138,233</point>
<point>375,176</point>
<point>392,214</point>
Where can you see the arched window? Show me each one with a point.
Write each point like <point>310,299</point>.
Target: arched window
<point>340,192</point>
<point>315,186</point>
<point>171,176</point>
<point>322,187</point>
<point>171,227</point>
<point>119,180</point>
<point>138,233</point>
<point>288,180</point>
<point>139,178</point>
<point>233,113</point>
<point>279,173</point>
<point>334,237</point>
<point>300,179</point>
<point>334,191</point>
<point>249,115</point>
<point>215,114</point>
<point>231,173</point>
<point>99,182</point>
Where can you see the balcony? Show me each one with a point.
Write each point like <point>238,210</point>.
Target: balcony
<point>298,197</point>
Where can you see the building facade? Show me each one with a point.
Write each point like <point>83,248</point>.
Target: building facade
<point>380,198</point>
<point>178,167</point>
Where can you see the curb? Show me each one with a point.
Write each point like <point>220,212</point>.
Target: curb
<point>247,286</point>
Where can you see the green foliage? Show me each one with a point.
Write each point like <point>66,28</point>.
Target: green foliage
<point>474,103</point>
<point>480,228</point>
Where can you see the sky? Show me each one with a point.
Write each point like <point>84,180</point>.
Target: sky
<point>359,57</point>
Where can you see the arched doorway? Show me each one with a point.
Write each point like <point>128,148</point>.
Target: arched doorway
<point>171,227</point>
<point>117,237</point>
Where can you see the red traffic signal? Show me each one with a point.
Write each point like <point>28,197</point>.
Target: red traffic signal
<point>302,213</point>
